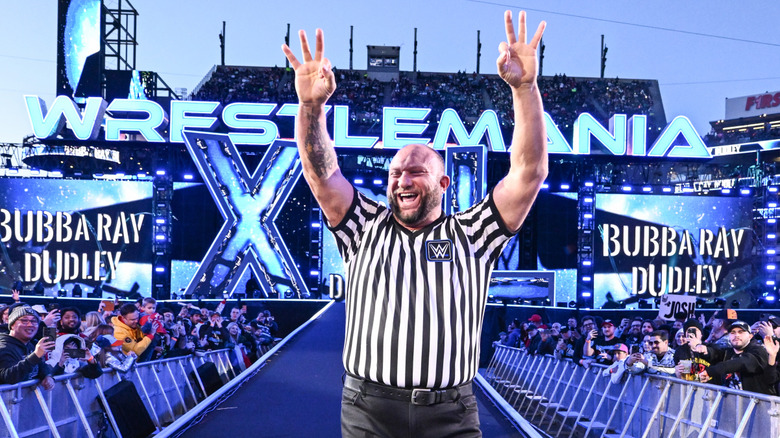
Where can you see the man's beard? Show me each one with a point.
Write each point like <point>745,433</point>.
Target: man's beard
<point>429,201</point>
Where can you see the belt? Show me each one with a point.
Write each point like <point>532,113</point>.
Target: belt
<point>416,396</point>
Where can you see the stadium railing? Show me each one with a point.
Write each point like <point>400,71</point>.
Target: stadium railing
<point>563,399</point>
<point>74,408</point>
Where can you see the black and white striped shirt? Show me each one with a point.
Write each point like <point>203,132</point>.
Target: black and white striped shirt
<point>415,300</point>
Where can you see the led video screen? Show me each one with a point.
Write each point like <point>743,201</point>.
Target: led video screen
<point>648,245</point>
<point>58,234</point>
<point>79,51</point>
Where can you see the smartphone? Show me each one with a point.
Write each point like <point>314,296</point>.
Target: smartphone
<point>691,331</point>
<point>50,332</point>
<point>76,353</point>
<point>243,308</point>
<point>634,349</point>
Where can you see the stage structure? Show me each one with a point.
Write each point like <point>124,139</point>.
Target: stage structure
<point>126,190</point>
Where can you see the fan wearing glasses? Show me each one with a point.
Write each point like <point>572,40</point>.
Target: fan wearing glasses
<point>659,360</point>
<point>20,359</point>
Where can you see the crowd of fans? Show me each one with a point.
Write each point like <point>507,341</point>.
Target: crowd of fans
<point>722,349</point>
<point>715,138</point>
<point>38,343</point>
<point>467,93</point>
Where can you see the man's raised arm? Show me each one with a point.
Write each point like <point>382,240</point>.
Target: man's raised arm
<point>517,66</point>
<point>315,83</point>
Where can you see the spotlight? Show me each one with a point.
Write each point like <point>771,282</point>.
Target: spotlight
<point>160,172</point>
<point>188,176</point>
<point>666,189</point>
<point>565,186</point>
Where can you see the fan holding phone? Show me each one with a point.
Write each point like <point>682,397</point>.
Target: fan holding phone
<point>70,355</point>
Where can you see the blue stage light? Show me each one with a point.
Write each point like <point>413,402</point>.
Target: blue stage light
<point>586,263</point>
<point>188,176</point>
<point>358,181</point>
<point>771,251</point>
<point>565,186</point>
<point>160,172</point>
<point>771,236</point>
<point>587,216</point>
<point>586,278</point>
<point>588,183</point>
<point>666,189</point>
<point>377,182</point>
<point>647,189</point>
<point>771,220</point>
<point>314,273</point>
<point>316,225</point>
<point>159,237</point>
<point>586,295</point>
<point>772,189</point>
<point>627,188</point>
<point>159,269</point>
<point>160,221</point>
<point>725,191</point>
<point>771,267</point>
<point>744,191</point>
<point>587,200</point>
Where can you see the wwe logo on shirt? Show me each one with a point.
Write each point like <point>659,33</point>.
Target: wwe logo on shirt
<point>438,250</point>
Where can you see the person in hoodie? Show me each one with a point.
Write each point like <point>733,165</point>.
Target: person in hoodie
<point>740,366</point>
<point>62,363</point>
<point>20,359</point>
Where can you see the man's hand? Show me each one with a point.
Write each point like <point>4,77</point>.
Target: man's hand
<point>704,377</point>
<point>680,369</point>
<point>516,61</point>
<point>592,335</point>
<point>52,318</point>
<point>15,295</point>
<point>64,357</point>
<point>772,347</point>
<point>43,346</point>
<point>765,329</point>
<point>48,383</point>
<point>314,79</point>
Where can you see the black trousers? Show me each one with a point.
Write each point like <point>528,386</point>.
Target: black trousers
<point>364,415</point>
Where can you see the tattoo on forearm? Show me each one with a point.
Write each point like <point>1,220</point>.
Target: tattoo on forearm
<point>320,155</point>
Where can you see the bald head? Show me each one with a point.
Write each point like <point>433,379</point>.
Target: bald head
<point>416,185</point>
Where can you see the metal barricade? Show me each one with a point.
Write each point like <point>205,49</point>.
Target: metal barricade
<point>563,399</point>
<point>72,408</point>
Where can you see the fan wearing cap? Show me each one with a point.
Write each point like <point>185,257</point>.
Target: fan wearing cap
<point>599,347</point>
<point>743,365</point>
<point>615,371</point>
<point>20,360</point>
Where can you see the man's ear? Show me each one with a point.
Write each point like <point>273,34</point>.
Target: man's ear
<point>444,182</point>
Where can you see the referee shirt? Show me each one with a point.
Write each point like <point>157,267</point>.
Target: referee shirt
<point>415,300</point>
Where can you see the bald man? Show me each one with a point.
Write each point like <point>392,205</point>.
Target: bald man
<point>417,279</point>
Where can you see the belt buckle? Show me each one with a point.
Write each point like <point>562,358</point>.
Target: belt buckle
<point>428,397</point>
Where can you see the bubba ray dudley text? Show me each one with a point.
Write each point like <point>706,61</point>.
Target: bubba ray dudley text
<point>666,242</point>
<point>41,228</point>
